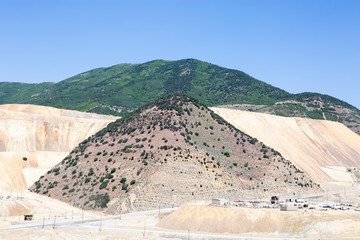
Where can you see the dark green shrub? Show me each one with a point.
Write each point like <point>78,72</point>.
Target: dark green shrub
<point>103,184</point>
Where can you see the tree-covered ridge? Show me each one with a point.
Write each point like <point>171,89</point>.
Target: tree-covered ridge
<point>13,92</point>
<point>126,87</point>
<point>123,88</point>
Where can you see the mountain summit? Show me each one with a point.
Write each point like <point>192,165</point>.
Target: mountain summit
<point>123,88</point>
<point>167,153</point>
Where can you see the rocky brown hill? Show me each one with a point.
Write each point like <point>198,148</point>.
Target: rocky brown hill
<point>167,153</point>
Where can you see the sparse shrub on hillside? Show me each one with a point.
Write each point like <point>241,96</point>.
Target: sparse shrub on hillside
<point>132,182</point>
<point>103,184</point>
<point>38,184</point>
<point>101,200</point>
<point>109,176</point>
<point>235,164</point>
<point>246,164</point>
<point>124,187</point>
<point>123,180</point>
<point>227,154</point>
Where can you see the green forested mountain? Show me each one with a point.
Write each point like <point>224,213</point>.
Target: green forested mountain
<point>14,92</point>
<point>122,88</point>
<point>130,86</point>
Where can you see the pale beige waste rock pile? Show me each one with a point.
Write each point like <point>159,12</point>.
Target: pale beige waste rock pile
<point>265,222</point>
<point>35,138</point>
<point>327,151</point>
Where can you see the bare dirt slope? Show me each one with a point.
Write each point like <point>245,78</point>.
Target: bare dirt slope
<point>266,222</point>
<point>35,138</point>
<point>327,151</point>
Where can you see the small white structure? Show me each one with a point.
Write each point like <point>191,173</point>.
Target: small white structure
<point>289,208</point>
<point>219,201</point>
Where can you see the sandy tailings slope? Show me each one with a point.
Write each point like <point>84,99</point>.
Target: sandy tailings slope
<point>35,138</point>
<point>327,151</point>
<point>265,222</point>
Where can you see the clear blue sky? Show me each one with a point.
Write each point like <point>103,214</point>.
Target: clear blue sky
<point>297,45</point>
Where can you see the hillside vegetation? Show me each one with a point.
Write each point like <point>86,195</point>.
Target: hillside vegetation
<point>122,88</point>
<point>168,153</point>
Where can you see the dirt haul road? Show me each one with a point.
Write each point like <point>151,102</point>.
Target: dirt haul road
<point>35,138</point>
<point>327,151</point>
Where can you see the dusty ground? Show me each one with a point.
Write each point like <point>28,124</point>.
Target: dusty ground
<point>191,221</point>
<point>327,151</point>
<point>264,222</point>
<point>35,138</point>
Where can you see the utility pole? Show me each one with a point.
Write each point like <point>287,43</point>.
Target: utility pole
<point>327,196</point>
<point>54,221</point>
<point>144,226</point>
<point>100,222</point>
<point>82,217</point>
